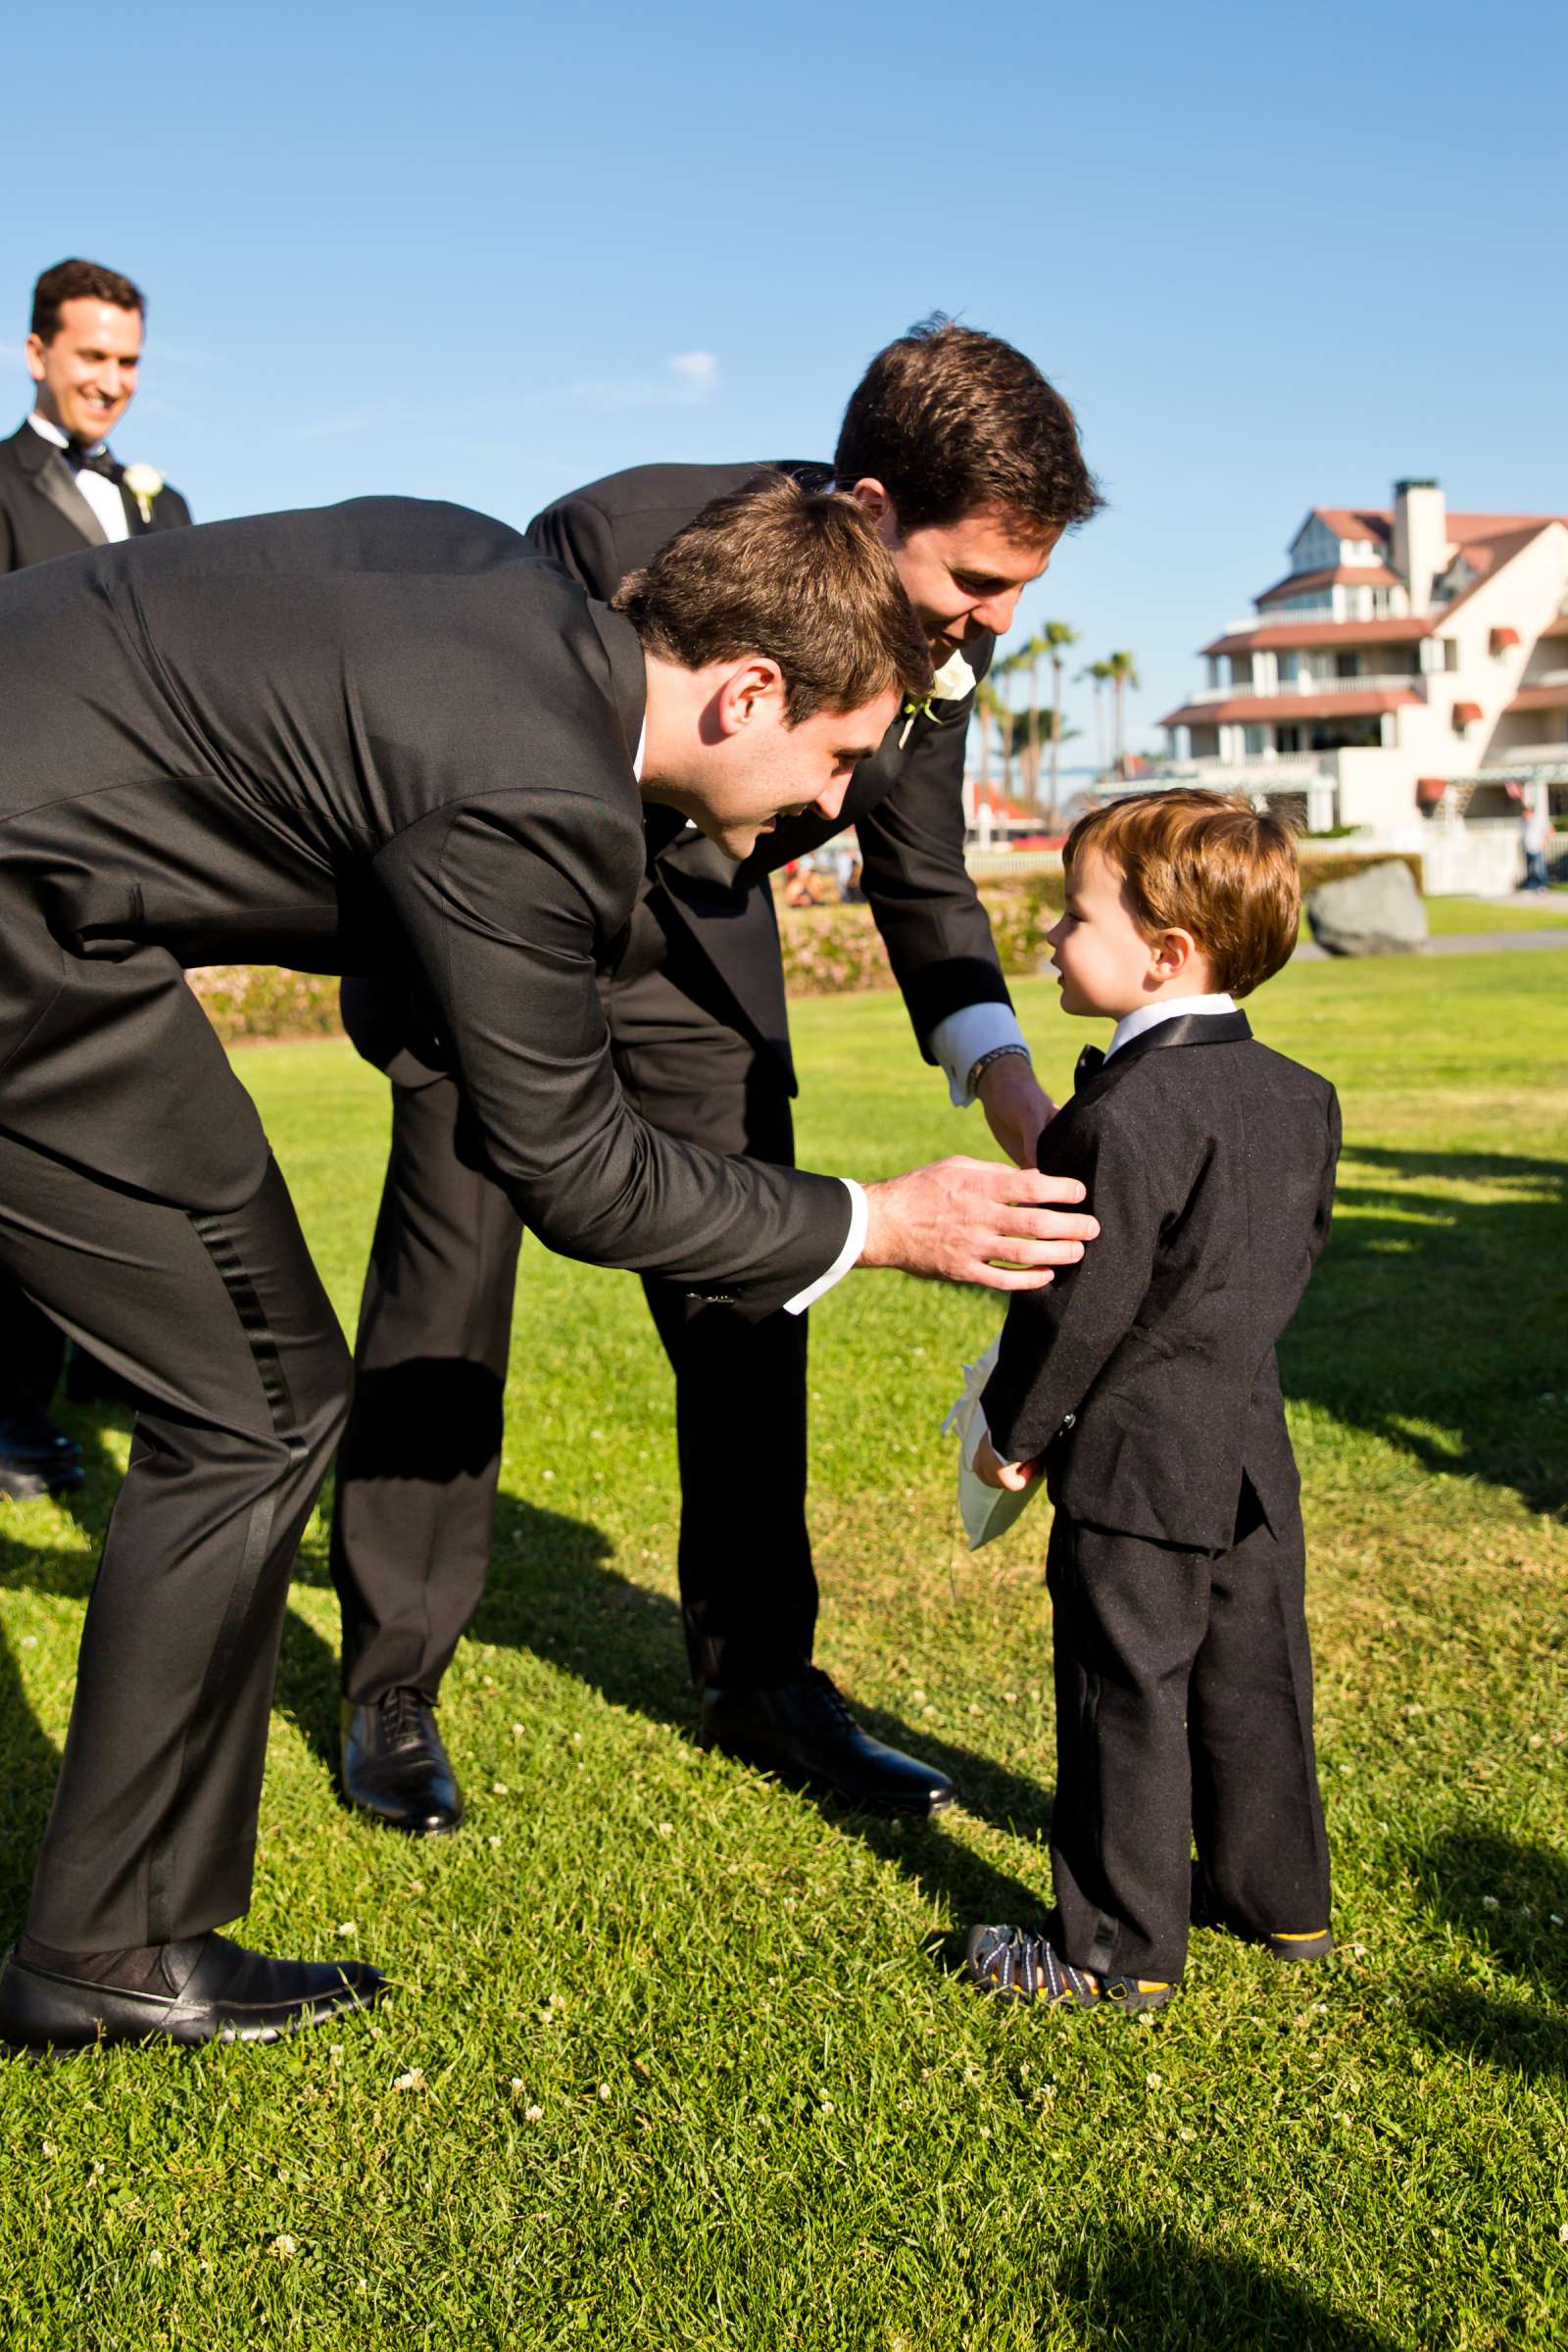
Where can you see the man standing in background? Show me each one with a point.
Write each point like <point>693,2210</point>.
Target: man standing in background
<point>61,490</point>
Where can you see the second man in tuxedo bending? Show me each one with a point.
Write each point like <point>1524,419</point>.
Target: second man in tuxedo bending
<point>969,464</point>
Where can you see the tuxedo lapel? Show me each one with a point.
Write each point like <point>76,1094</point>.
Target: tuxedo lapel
<point>1186,1029</point>
<point>54,480</point>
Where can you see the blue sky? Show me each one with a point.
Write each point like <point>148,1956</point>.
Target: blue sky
<point>1274,258</point>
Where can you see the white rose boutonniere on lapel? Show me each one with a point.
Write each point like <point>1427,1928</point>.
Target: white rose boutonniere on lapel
<point>144,482</point>
<point>953,681</point>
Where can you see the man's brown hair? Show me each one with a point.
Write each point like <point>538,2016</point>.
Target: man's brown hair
<point>798,576</point>
<point>80,281</point>
<point>1199,861</point>
<point>952,422</point>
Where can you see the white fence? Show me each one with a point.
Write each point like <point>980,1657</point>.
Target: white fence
<point>1002,866</point>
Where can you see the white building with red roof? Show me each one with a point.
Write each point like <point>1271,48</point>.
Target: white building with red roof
<point>1410,667</point>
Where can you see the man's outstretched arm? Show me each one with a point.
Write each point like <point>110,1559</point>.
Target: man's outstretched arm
<point>503,900</point>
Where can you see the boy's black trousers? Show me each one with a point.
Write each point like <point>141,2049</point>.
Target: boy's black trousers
<point>1184,1715</point>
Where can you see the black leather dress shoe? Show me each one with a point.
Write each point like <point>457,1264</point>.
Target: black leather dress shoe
<point>395,1768</point>
<point>35,1458</point>
<point>803,1731</point>
<point>207,1990</point>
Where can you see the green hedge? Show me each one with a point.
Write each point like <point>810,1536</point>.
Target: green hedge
<point>253,1001</point>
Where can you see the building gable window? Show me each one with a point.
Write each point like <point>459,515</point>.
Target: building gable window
<point>1316,548</point>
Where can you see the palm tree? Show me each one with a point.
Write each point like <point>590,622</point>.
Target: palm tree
<point>993,713</point>
<point>1053,638</point>
<point>1025,726</point>
<point>1124,673</point>
<point>1002,711</point>
<point>1043,723</point>
<point>1028,661</point>
<point>1102,673</point>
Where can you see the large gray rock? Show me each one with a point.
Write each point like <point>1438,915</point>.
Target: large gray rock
<point>1378,913</point>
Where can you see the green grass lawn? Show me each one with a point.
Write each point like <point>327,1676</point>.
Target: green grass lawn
<point>678,2058</point>
<point>1446,916</point>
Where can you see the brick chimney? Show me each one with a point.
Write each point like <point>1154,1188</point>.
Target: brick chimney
<point>1420,537</point>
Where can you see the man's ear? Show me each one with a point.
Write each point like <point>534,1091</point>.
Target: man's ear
<point>33,352</point>
<point>877,502</point>
<point>746,694</point>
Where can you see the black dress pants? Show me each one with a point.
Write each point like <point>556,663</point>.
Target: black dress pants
<point>1183,1713</point>
<point>32,1351</point>
<point>223,1325</point>
<point>419,1460</point>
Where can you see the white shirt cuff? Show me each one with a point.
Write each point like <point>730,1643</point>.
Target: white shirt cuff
<point>854,1243</point>
<point>959,1041</point>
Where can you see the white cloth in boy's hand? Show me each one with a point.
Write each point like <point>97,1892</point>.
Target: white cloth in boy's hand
<point>986,1511</point>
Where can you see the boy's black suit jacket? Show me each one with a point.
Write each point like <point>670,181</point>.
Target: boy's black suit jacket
<point>1146,1374</point>
<point>906,803</point>
<point>385,732</point>
<point>43,513</point>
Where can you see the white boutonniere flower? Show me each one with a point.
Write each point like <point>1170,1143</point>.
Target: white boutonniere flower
<point>144,482</point>
<point>953,681</point>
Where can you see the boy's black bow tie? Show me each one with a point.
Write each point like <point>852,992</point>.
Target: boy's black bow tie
<point>95,460</point>
<point>1090,1060</point>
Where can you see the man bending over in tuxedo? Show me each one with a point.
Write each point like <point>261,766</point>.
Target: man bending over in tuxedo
<point>382,734</point>
<point>967,465</point>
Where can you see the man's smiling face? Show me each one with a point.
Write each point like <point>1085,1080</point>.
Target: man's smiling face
<point>963,578</point>
<point>86,372</point>
<point>772,770</point>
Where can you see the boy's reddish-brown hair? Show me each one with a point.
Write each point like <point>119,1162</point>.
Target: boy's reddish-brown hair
<point>1202,862</point>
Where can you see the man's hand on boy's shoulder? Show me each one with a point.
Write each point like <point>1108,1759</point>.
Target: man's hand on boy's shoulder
<point>1016,1105</point>
<point>969,1220</point>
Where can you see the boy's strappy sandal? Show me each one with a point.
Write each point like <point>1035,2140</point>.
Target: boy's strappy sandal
<point>1016,1966</point>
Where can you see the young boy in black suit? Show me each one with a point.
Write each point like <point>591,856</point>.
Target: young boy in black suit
<point>1143,1386</point>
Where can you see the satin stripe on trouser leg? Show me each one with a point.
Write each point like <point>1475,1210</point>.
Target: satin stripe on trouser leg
<point>223,1323</point>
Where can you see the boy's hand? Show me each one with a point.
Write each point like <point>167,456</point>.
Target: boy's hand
<point>991,1471</point>
<point>1016,1107</point>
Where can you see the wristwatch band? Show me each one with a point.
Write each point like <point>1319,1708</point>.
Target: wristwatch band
<point>978,1070</point>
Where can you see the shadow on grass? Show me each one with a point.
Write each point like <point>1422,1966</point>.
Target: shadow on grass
<point>1509,1901</point>
<point>553,1592</point>
<point>1132,2292</point>
<point>1431,1308</point>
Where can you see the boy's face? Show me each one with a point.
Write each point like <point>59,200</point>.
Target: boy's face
<point>1103,962</point>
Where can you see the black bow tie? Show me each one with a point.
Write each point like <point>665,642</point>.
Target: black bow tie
<point>96,460</point>
<point>1090,1061</point>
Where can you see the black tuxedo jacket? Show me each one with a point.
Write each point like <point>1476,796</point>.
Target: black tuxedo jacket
<point>1146,1374</point>
<point>43,513</point>
<point>384,732</point>
<point>906,804</point>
